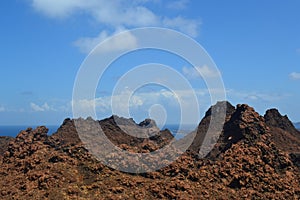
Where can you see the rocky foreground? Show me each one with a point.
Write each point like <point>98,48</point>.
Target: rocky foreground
<point>256,157</point>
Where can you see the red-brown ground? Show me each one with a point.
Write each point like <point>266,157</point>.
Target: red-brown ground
<point>255,158</point>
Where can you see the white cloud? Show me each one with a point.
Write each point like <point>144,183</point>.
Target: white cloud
<point>57,8</point>
<point>178,5</point>
<point>199,72</point>
<point>103,104</point>
<point>295,76</point>
<point>2,109</point>
<point>187,26</point>
<point>42,108</point>
<point>113,14</point>
<point>127,41</point>
<point>255,96</point>
<point>141,104</point>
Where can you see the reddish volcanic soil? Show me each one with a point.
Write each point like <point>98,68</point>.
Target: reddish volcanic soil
<point>256,157</point>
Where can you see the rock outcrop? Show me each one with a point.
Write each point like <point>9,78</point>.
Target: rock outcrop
<point>274,119</point>
<point>244,125</point>
<point>245,163</point>
<point>284,134</point>
<point>120,131</point>
<point>240,123</point>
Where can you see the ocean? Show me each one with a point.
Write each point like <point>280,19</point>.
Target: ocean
<point>297,125</point>
<point>184,129</point>
<point>13,131</point>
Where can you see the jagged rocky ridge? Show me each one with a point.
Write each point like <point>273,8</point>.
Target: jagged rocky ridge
<point>252,159</point>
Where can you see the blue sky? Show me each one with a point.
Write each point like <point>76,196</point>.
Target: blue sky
<point>255,45</point>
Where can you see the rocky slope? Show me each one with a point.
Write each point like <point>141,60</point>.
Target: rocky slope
<point>248,162</point>
<point>4,142</point>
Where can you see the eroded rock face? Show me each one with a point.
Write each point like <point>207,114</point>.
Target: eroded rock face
<point>116,130</point>
<point>205,125</point>
<point>245,163</point>
<point>66,134</point>
<point>283,133</point>
<point>275,119</point>
<point>145,129</point>
<point>241,123</point>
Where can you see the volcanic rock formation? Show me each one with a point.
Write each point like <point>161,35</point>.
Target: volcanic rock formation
<point>250,160</point>
<point>284,134</point>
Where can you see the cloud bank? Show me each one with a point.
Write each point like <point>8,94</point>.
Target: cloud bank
<point>295,76</point>
<point>200,72</point>
<point>87,44</point>
<point>2,109</point>
<point>42,108</point>
<point>114,14</point>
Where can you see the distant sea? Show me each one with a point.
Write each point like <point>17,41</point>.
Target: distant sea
<point>297,125</point>
<point>13,131</point>
<point>180,133</point>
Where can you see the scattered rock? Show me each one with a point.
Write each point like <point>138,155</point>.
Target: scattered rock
<point>4,142</point>
<point>247,161</point>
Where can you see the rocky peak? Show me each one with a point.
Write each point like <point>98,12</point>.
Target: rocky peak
<point>246,164</point>
<point>274,119</point>
<point>145,129</point>
<point>123,121</point>
<point>119,130</point>
<point>242,123</point>
<point>221,106</point>
<point>245,121</point>
<point>66,134</point>
<point>217,111</point>
<point>283,133</point>
<point>148,123</point>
